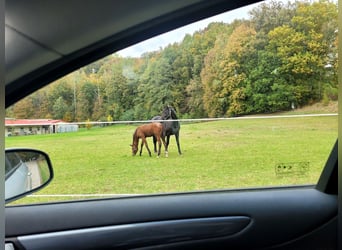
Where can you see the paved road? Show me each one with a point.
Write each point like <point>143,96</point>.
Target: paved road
<point>35,174</point>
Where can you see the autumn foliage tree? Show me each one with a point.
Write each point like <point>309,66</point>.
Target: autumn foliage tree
<point>283,56</point>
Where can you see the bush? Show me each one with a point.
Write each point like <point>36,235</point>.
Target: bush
<point>330,92</point>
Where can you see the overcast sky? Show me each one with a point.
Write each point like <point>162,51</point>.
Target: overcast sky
<point>177,35</point>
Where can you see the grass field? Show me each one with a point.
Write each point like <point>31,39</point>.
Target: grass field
<point>216,155</point>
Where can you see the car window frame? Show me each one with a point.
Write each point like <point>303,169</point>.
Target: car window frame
<point>339,165</point>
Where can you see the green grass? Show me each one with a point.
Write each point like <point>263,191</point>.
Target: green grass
<point>43,170</point>
<point>216,155</point>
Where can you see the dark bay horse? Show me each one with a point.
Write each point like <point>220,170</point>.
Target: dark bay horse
<point>169,127</point>
<point>147,130</point>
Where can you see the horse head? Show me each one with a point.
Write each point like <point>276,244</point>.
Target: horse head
<point>173,113</point>
<point>134,149</point>
<point>167,113</point>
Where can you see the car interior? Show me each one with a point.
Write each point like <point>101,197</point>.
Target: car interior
<point>47,40</point>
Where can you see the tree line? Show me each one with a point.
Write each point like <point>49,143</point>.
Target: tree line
<point>284,56</point>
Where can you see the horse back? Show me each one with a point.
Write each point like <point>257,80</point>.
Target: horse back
<point>158,117</point>
<point>151,129</point>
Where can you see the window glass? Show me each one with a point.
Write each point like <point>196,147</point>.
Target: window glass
<point>252,94</point>
<point>11,162</point>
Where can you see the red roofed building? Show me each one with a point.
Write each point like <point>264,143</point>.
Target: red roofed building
<point>36,126</point>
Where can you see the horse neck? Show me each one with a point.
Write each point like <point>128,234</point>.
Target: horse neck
<point>135,138</point>
<point>173,116</point>
<point>172,124</point>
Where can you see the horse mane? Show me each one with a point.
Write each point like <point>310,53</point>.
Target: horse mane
<point>135,136</point>
<point>173,113</point>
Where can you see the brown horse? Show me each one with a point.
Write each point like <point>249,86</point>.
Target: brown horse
<point>147,130</point>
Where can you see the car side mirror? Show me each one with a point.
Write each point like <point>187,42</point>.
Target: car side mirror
<point>26,171</point>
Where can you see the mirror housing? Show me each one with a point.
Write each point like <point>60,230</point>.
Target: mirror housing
<point>26,171</point>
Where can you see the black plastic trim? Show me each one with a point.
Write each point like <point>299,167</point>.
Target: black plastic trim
<point>328,182</point>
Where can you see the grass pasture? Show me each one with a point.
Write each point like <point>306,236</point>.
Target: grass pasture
<point>216,155</point>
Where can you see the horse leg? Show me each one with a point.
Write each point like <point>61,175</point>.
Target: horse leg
<point>149,151</point>
<point>159,145</point>
<point>167,146</point>
<point>177,140</point>
<point>141,146</point>
<point>154,143</point>
<point>164,143</point>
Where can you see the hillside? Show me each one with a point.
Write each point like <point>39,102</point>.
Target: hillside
<point>317,108</point>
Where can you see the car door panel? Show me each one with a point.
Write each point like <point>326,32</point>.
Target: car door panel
<point>147,233</point>
<point>235,219</point>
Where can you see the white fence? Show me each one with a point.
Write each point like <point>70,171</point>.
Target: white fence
<point>207,119</point>
<point>181,120</point>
